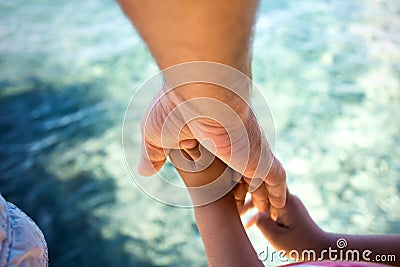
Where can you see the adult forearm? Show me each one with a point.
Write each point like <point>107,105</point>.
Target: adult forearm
<point>224,237</point>
<point>178,31</point>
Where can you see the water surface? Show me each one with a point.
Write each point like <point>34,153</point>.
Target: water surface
<point>330,71</point>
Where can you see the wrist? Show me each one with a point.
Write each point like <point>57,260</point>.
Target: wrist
<point>208,193</point>
<point>326,240</point>
<point>200,79</point>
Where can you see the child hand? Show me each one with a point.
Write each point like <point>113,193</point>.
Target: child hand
<point>197,166</point>
<point>203,173</point>
<point>206,177</point>
<point>290,228</point>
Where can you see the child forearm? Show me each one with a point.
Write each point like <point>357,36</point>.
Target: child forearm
<point>224,237</point>
<point>384,249</point>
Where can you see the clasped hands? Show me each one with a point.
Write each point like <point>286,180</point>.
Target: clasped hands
<point>224,124</point>
<point>212,148</point>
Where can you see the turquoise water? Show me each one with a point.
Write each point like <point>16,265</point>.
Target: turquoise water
<point>330,71</point>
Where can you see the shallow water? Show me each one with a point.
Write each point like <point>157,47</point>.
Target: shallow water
<point>330,71</point>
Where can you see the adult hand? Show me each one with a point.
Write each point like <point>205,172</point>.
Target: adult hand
<point>223,123</point>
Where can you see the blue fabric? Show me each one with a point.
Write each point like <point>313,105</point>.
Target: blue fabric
<point>22,244</point>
